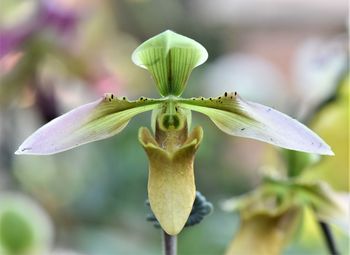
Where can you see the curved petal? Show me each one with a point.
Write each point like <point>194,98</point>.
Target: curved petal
<point>91,122</point>
<point>241,118</point>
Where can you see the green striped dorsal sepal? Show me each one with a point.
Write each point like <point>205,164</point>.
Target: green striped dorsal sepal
<point>170,58</point>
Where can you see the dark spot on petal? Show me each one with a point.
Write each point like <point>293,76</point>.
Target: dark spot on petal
<point>235,93</point>
<point>124,98</point>
<point>219,97</point>
<point>225,94</point>
<point>242,129</point>
<point>112,96</point>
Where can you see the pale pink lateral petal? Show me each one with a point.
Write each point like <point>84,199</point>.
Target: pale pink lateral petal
<point>91,122</point>
<point>238,117</point>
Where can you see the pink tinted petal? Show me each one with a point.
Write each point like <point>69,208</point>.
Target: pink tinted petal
<point>241,118</point>
<point>91,122</point>
<point>279,129</point>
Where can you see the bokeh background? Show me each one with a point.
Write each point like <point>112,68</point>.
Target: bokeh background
<point>58,54</point>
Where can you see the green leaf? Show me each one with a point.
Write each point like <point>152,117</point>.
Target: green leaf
<point>238,117</point>
<point>170,58</point>
<point>297,161</point>
<point>91,122</point>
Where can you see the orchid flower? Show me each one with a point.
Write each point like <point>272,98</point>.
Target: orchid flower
<point>170,58</point>
<point>271,213</point>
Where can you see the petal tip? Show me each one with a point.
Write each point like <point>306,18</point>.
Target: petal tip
<point>28,148</point>
<point>22,151</point>
<point>325,149</point>
<point>329,152</point>
<point>28,151</point>
<point>18,152</point>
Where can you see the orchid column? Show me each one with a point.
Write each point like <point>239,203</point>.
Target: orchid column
<point>170,58</point>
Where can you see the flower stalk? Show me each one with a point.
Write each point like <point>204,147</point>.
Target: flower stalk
<point>169,244</point>
<point>328,237</point>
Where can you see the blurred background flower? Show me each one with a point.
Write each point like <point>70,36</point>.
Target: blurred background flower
<point>25,228</point>
<point>292,189</point>
<point>56,55</point>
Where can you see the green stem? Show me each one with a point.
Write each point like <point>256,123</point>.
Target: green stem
<point>328,238</point>
<point>169,244</point>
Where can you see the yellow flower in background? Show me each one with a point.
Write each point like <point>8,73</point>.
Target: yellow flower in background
<point>271,213</point>
<point>264,233</point>
<point>332,123</point>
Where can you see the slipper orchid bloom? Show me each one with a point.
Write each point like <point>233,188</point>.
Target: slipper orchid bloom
<point>170,58</point>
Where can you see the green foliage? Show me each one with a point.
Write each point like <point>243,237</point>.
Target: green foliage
<point>298,161</point>
<point>16,234</point>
